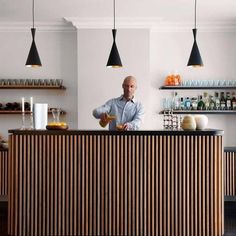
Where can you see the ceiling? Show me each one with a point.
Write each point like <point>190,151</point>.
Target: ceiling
<point>166,10</point>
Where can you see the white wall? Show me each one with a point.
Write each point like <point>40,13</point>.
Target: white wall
<point>58,55</point>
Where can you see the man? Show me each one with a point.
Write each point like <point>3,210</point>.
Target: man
<point>128,112</point>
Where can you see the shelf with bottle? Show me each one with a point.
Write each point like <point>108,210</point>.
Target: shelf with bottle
<point>202,104</point>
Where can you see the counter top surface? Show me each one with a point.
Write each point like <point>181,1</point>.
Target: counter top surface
<point>107,132</point>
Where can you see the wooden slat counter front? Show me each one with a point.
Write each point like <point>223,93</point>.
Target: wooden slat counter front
<point>107,183</point>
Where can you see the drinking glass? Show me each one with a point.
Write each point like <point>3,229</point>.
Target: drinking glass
<point>56,114</point>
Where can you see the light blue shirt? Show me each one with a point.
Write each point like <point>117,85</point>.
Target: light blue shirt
<point>130,112</point>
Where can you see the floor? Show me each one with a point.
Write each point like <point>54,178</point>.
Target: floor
<point>230,218</point>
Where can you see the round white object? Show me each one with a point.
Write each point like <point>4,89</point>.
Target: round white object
<point>188,123</point>
<point>201,121</point>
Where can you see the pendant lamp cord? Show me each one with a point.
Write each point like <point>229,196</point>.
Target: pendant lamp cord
<point>195,19</point>
<point>114,5</point>
<point>33,13</point>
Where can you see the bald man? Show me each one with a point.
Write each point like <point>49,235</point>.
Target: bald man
<point>128,111</point>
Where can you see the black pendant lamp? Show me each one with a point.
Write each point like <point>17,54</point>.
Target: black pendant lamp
<point>33,59</point>
<point>114,60</point>
<point>195,59</point>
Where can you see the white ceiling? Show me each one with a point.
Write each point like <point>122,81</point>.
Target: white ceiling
<point>167,10</point>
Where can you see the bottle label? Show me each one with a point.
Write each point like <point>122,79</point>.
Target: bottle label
<point>234,105</point>
<point>228,104</point>
<point>222,105</point>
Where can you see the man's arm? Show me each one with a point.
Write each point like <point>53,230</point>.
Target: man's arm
<point>100,111</point>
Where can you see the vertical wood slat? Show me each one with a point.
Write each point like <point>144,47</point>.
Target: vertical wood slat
<point>3,172</point>
<point>116,184</point>
<point>230,173</point>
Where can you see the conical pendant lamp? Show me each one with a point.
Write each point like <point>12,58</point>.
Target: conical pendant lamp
<point>33,59</point>
<point>114,60</point>
<point>195,59</point>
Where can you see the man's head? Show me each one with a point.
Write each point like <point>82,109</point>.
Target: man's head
<point>129,86</point>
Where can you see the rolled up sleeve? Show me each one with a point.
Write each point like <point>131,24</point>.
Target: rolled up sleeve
<point>102,109</point>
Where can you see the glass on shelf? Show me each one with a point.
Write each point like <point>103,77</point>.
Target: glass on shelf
<point>59,82</point>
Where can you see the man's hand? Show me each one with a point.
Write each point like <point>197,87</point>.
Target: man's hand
<point>104,117</point>
<point>126,126</point>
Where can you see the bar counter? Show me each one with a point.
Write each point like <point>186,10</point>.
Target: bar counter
<point>111,182</point>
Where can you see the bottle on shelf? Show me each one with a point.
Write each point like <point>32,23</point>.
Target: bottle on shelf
<point>222,101</point>
<point>187,103</point>
<point>233,101</point>
<point>182,105</point>
<point>217,101</point>
<point>201,104</point>
<point>212,104</point>
<point>176,102</point>
<point>206,100</point>
<point>194,103</point>
<point>228,101</point>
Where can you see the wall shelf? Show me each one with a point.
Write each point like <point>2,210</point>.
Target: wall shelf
<point>209,112</point>
<point>197,87</point>
<point>32,87</point>
<point>14,112</point>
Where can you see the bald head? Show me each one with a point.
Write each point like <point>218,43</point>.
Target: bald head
<point>129,86</point>
<point>130,78</point>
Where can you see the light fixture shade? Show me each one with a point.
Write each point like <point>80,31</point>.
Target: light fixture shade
<point>195,58</point>
<point>33,59</point>
<point>114,60</point>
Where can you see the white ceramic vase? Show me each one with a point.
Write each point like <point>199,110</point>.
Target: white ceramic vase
<point>201,121</point>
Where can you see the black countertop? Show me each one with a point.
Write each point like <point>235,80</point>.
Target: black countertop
<point>106,132</point>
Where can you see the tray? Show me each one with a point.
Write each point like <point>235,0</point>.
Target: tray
<point>57,127</point>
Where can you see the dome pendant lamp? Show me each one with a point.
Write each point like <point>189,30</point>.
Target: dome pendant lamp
<point>33,59</point>
<point>114,60</point>
<point>195,59</point>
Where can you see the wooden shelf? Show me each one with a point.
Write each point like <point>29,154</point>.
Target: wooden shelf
<point>197,87</point>
<point>13,112</point>
<point>32,87</point>
<point>210,112</point>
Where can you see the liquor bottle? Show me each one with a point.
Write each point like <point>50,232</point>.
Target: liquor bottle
<point>194,103</point>
<point>228,101</point>
<point>176,102</point>
<point>217,101</point>
<point>222,101</point>
<point>212,104</point>
<point>233,101</point>
<point>187,103</point>
<point>182,105</point>
<point>206,100</point>
<point>201,104</point>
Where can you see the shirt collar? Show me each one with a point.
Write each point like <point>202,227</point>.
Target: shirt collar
<point>122,98</point>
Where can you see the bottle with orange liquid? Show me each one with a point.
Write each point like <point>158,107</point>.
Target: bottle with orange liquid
<point>108,118</point>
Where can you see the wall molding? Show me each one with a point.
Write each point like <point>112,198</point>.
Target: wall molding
<point>153,24</point>
<point>40,26</point>
<point>70,24</point>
